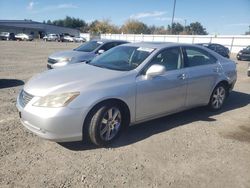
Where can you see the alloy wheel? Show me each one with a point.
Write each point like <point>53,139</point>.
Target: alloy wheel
<point>110,124</point>
<point>218,97</point>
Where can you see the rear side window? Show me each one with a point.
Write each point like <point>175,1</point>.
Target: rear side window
<point>198,57</point>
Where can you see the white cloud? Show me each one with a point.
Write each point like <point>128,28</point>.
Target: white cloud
<point>169,19</point>
<point>30,5</point>
<point>55,7</point>
<point>147,14</point>
<point>66,6</point>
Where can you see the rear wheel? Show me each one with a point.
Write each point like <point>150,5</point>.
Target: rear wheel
<point>105,124</point>
<point>218,97</point>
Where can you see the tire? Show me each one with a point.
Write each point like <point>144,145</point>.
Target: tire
<point>105,123</point>
<point>218,97</point>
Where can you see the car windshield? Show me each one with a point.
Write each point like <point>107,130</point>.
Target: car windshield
<point>123,58</point>
<point>89,46</point>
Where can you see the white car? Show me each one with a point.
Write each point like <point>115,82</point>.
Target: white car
<point>68,39</point>
<point>79,39</point>
<point>51,37</point>
<point>24,37</point>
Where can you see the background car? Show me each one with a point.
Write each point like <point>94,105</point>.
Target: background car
<point>128,84</point>
<point>51,37</point>
<point>79,39</point>
<point>7,36</point>
<point>24,37</point>
<point>244,54</point>
<point>65,37</point>
<point>84,53</point>
<point>220,49</point>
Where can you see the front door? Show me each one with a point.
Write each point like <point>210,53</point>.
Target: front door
<point>165,93</point>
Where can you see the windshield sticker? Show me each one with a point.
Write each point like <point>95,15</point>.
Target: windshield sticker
<point>99,42</point>
<point>146,49</point>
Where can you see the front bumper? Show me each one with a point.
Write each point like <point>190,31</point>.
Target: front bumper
<point>56,124</point>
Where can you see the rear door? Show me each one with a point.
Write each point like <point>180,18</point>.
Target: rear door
<point>202,70</point>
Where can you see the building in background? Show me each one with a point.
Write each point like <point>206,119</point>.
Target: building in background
<point>37,29</point>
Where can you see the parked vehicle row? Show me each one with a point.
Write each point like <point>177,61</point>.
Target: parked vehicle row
<point>19,36</point>
<point>127,84</point>
<point>7,36</point>
<point>63,38</point>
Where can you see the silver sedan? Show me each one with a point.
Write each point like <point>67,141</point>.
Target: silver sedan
<point>126,85</point>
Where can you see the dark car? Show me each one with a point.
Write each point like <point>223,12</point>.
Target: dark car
<point>7,36</point>
<point>220,49</point>
<point>244,54</point>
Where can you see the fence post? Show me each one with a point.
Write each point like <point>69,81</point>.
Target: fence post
<point>232,43</point>
<point>192,39</point>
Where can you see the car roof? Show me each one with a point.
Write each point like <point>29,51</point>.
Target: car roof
<point>109,40</point>
<point>157,45</point>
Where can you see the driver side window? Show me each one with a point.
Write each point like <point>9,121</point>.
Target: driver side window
<point>170,58</point>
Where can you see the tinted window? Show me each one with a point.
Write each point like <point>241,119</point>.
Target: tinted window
<point>122,58</point>
<point>169,58</point>
<point>89,46</point>
<point>197,57</point>
<point>108,46</point>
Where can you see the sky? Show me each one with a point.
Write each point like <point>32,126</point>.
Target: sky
<point>227,17</point>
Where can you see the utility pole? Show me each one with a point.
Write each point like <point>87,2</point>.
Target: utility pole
<point>173,17</point>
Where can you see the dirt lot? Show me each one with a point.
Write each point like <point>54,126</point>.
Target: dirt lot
<point>195,148</point>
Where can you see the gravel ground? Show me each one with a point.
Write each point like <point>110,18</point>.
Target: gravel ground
<point>195,148</point>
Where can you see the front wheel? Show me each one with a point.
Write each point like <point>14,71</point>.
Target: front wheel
<point>218,97</point>
<point>105,124</point>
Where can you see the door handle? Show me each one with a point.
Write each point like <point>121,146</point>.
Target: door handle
<point>182,76</point>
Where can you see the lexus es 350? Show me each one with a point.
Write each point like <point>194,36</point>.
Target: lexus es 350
<point>126,85</point>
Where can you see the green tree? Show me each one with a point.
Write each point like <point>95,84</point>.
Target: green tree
<point>176,28</point>
<point>71,22</point>
<point>196,28</point>
<point>157,30</point>
<point>135,27</point>
<point>104,26</point>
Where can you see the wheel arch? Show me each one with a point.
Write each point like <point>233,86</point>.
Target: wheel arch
<point>120,102</point>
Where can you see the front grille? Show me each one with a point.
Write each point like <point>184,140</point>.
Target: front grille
<point>24,98</point>
<point>52,61</point>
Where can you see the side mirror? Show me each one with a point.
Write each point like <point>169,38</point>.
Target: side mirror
<point>155,70</point>
<point>100,52</point>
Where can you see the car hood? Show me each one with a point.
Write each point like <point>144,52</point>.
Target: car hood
<point>78,77</point>
<point>76,55</point>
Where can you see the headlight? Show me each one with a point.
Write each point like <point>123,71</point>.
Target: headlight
<point>66,59</point>
<point>55,101</point>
